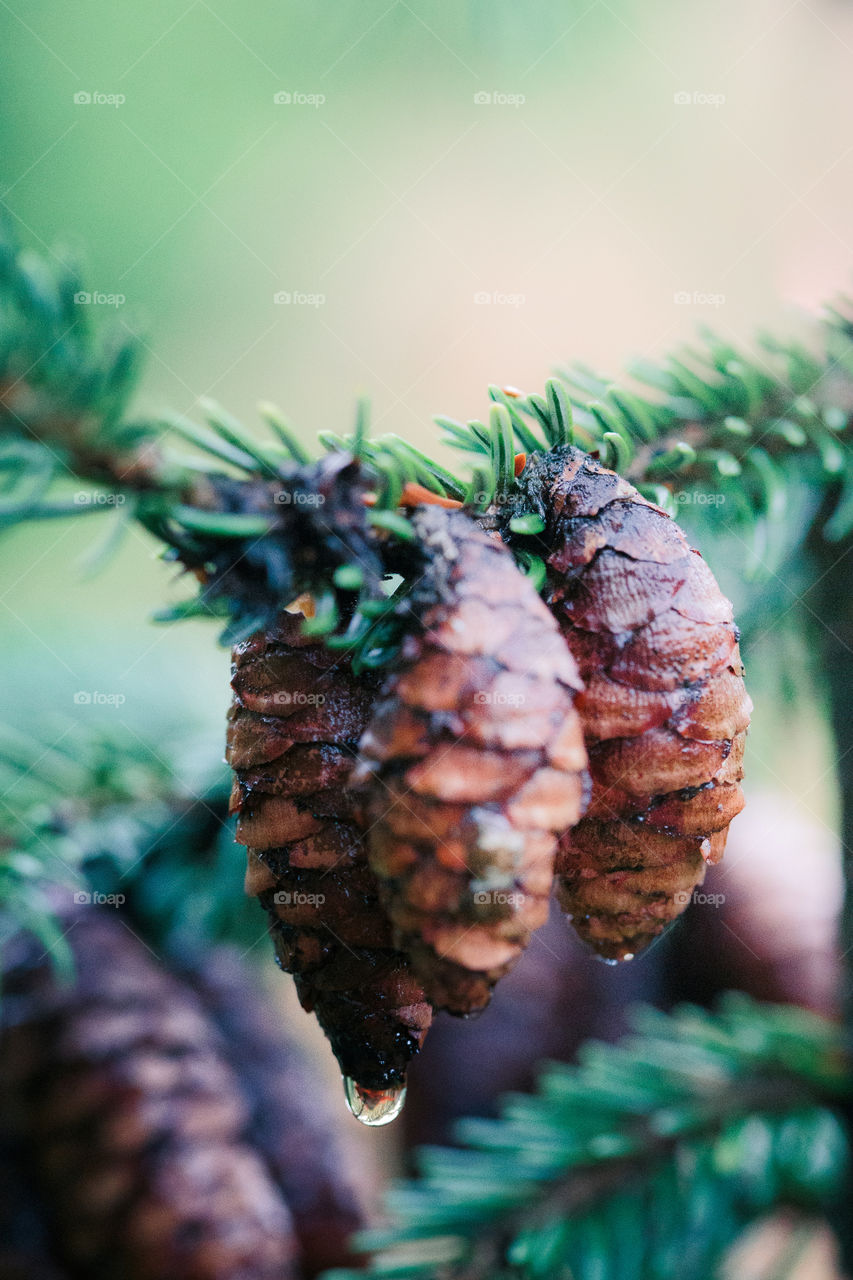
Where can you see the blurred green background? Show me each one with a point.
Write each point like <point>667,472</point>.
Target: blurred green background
<point>581,199</point>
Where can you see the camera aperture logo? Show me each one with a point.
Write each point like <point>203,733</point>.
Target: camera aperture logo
<point>283,899</point>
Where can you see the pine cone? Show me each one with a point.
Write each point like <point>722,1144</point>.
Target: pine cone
<point>135,1124</point>
<point>25,1252</point>
<point>297,717</point>
<point>472,762</point>
<point>664,709</point>
<point>293,1126</point>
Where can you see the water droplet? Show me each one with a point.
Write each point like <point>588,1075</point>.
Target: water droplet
<point>374,1107</point>
<point>617,959</point>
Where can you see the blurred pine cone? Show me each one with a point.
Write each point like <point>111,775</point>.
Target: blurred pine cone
<point>292,1123</point>
<point>139,1134</point>
<point>25,1247</point>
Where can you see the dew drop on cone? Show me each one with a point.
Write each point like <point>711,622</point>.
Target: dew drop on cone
<point>374,1107</point>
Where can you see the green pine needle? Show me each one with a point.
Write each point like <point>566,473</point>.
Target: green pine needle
<point>602,1171</point>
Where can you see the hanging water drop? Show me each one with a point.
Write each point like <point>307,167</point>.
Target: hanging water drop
<point>374,1107</point>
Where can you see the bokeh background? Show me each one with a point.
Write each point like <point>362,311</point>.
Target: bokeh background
<point>409,200</point>
<point>587,201</point>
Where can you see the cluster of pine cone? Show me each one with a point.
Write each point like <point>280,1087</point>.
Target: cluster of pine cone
<point>404,830</point>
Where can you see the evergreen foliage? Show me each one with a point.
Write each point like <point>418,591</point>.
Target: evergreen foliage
<point>642,1162</point>
<point>246,515</point>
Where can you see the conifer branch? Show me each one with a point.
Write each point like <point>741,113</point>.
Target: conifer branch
<point>243,514</point>
<point>93,813</point>
<point>65,804</point>
<point>258,522</point>
<point>644,1160</point>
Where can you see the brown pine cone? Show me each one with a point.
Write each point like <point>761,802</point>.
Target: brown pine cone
<point>472,763</point>
<point>134,1123</point>
<point>293,1125</point>
<point>665,710</point>
<point>25,1249</point>
<point>297,716</point>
